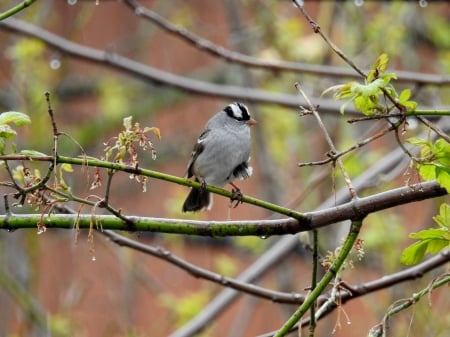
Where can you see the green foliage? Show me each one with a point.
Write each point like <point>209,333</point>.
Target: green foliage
<point>433,164</point>
<point>434,161</point>
<point>367,97</point>
<point>431,240</point>
<point>6,132</point>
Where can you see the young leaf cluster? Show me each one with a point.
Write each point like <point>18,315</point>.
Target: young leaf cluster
<point>370,97</point>
<point>6,131</point>
<point>124,149</point>
<point>434,161</point>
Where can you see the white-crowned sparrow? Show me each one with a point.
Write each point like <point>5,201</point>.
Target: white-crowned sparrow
<point>220,155</point>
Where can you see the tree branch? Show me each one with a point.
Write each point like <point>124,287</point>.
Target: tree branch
<point>196,271</point>
<point>258,63</point>
<point>323,283</point>
<point>354,292</point>
<point>297,222</point>
<point>147,73</point>
<point>16,9</point>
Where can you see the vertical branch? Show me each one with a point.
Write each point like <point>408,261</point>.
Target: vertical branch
<point>332,271</point>
<point>316,27</point>
<point>333,152</point>
<point>312,322</point>
<point>55,130</point>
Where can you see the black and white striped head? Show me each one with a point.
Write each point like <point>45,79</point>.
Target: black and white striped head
<point>239,112</point>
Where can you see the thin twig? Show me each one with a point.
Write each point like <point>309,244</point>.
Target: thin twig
<point>312,323</point>
<point>196,271</point>
<point>333,150</point>
<point>350,149</point>
<point>316,28</point>
<point>16,9</point>
<point>435,128</point>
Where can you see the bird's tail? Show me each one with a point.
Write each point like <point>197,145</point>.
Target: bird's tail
<point>198,199</point>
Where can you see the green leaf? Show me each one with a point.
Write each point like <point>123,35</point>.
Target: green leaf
<point>430,233</point>
<point>442,149</point>
<point>369,89</point>
<point>343,106</point>
<point>386,78</point>
<point>427,171</point>
<point>18,118</point>
<point>417,141</point>
<point>344,90</point>
<point>381,63</point>
<point>33,153</point>
<point>127,122</point>
<point>6,131</point>
<point>405,95</point>
<point>436,245</point>
<point>378,68</point>
<point>66,168</point>
<point>443,176</point>
<point>431,240</point>
<point>443,218</point>
<point>414,253</point>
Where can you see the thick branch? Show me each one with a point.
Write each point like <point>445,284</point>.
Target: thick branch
<point>355,209</point>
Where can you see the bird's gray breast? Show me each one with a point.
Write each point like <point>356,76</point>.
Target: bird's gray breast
<point>224,149</point>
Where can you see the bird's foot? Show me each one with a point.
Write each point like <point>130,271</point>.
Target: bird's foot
<point>236,197</point>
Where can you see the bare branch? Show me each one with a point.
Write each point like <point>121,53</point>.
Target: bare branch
<point>254,62</point>
<point>196,271</point>
<point>140,70</point>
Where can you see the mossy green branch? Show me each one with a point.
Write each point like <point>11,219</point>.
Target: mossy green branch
<point>432,112</point>
<point>262,228</point>
<point>16,9</point>
<point>326,279</point>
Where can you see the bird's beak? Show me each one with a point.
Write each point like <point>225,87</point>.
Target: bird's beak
<point>251,122</point>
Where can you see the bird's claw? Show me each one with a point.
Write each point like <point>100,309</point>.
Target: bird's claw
<point>236,196</point>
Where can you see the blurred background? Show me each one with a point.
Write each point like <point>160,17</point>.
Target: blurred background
<point>60,284</point>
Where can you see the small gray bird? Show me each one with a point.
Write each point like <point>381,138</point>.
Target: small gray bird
<point>220,155</point>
